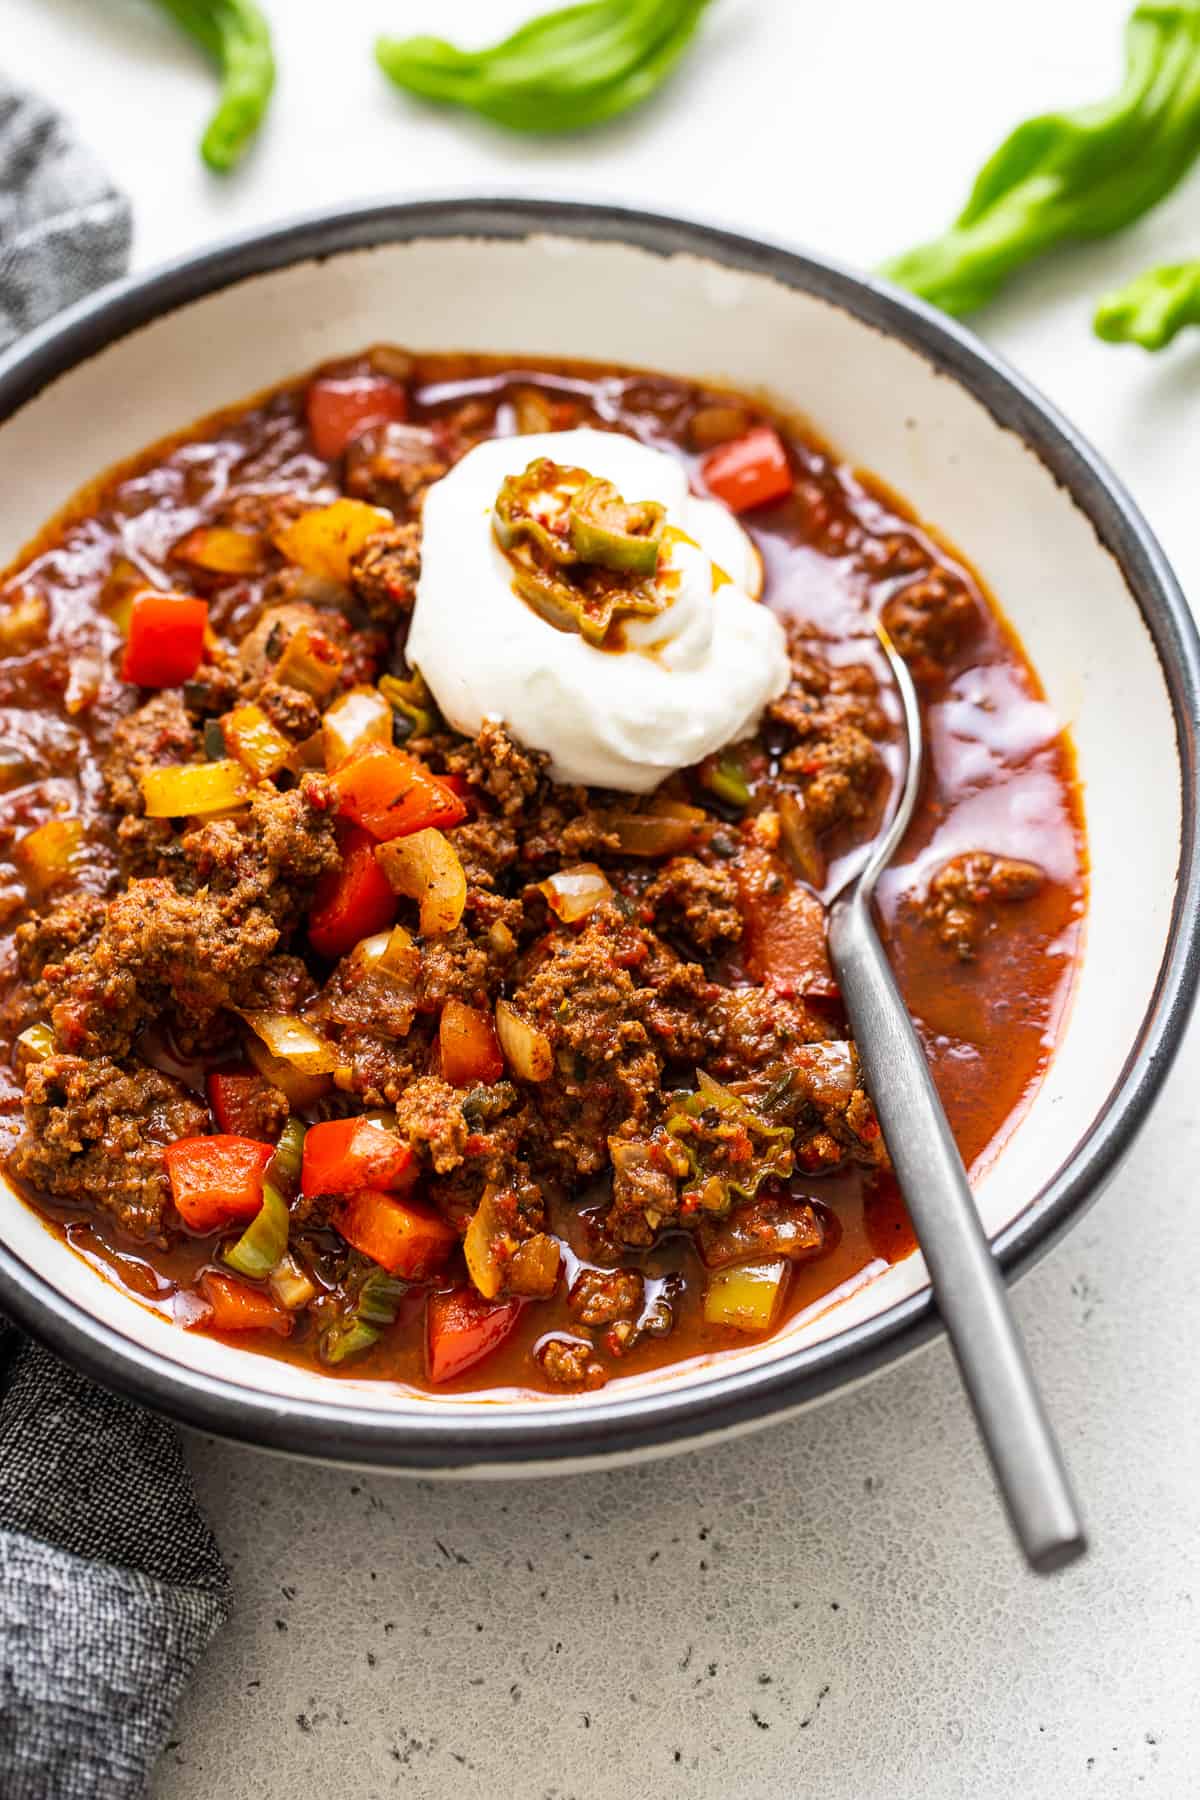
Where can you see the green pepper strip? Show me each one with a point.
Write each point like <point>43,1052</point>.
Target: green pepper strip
<point>1151,309</point>
<point>264,1240</point>
<point>617,536</point>
<point>236,36</point>
<point>412,701</point>
<point>561,71</point>
<point>726,778</point>
<point>1073,175</point>
<point>284,1166</point>
<point>376,1306</point>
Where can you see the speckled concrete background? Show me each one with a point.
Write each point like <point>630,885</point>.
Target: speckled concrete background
<point>830,1608</point>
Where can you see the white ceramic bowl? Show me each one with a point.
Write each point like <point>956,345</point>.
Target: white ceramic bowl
<point>897,390</point>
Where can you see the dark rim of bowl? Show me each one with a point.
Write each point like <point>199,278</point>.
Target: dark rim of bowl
<point>415,1435</point>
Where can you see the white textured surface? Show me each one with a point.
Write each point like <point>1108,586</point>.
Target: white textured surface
<point>845,1577</point>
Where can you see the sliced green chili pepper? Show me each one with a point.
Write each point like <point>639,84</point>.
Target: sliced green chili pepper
<point>725,777</point>
<point>730,1147</point>
<point>264,1241</point>
<point>1073,175</point>
<point>534,508</point>
<point>1152,308</point>
<point>579,569</point>
<point>360,1325</point>
<point>615,534</point>
<point>412,703</point>
<point>564,70</point>
<point>236,36</point>
<point>284,1166</point>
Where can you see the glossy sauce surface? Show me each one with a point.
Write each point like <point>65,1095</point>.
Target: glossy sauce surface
<point>1000,778</point>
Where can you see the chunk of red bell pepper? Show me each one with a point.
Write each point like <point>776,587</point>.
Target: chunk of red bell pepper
<point>405,1239</point>
<point>340,408</point>
<point>351,902</point>
<point>749,471</point>
<point>233,1095</point>
<point>463,1328</point>
<point>236,1307</point>
<point>216,1179</point>
<point>470,1049</point>
<point>165,640</point>
<point>390,793</point>
<point>341,1155</point>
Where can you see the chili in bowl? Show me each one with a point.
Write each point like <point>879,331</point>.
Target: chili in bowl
<point>421,783</point>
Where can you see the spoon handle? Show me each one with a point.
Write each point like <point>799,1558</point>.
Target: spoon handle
<point>967,1284</point>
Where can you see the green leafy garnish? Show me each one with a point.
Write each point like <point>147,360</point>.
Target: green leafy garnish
<point>1152,308</point>
<point>1073,176</point>
<point>564,70</point>
<point>235,34</point>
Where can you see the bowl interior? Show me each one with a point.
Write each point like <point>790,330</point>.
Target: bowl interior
<point>883,405</point>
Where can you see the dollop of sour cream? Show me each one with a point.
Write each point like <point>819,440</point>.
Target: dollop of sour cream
<point>679,685</point>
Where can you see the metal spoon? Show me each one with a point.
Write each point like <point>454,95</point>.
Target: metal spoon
<point>967,1284</point>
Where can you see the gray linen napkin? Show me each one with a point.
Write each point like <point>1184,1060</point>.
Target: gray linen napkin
<point>111,1583</point>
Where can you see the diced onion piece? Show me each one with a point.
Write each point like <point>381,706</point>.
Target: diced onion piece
<point>800,840</point>
<point>484,1266</point>
<point>193,789</point>
<point>426,868</point>
<point>254,741</point>
<point>49,853</point>
<point>325,540</point>
<point>758,1228</point>
<point>669,827</point>
<point>828,1071</point>
<point>290,1285</point>
<point>290,1039</point>
<point>302,1091</point>
<point>360,716</point>
<point>526,1050</point>
<point>223,550</point>
<point>572,894</point>
<point>391,952</point>
<point>746,1296</point>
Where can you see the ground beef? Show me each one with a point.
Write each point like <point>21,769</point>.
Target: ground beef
<point>676,1002</point>
<point>254,1108</point>
<point>958,900</point>
<point>601,1296</point>
<point>571,1362</point>
<point>930,621</point>
<point>292,712</point>
<point>696,902</point>
<point>487,848</point>
<point>51,936</point>
<point>196,951</point>
<point>493,762</point>
<point>94,1133</point>
<point>430,1116</point>
<point>754,1028</point>
<point>384,574</point>
<point>357,999</point>
<point>391,465</point>
<point>375,1068</point>
<point>148,847</point>
<point>158,733</point>
<point>453,966</point>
